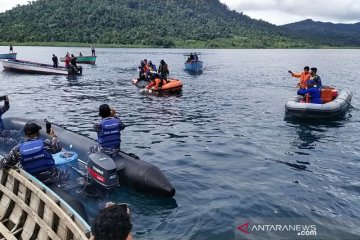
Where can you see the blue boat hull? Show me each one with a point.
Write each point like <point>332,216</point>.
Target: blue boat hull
<point>194,66</point>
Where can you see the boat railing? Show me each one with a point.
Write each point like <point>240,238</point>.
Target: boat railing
<point>29,209</point>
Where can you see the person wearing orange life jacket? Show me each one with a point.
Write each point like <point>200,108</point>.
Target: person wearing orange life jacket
<point>155,83</point>
<point>304,76</point>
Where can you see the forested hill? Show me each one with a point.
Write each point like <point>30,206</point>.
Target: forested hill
<point>167,23</point>
<point>337,35</point>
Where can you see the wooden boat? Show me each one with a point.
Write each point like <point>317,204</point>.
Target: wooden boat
<point>336,106</point>
<point>193,64</point>
<point>36,68</point>
<point>173,86</point>
<point>8,55</point>
<point>83,59</point>
<point>30,210</point>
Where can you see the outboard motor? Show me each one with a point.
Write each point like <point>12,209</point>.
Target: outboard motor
<point>102,169</point>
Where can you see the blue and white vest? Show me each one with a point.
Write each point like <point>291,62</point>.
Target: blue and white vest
<point>34,157</point>
<point>109,137</point>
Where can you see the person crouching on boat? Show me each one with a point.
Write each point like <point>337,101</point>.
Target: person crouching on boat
<point>108,131</point>
<point>155,83</point>
<point>303,77</point>
<point>34,155</point>
<point>314,92</point>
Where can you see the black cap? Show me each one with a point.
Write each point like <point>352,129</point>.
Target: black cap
<point>31,128</point>
<point>162,61</point>
<point>104,110</point>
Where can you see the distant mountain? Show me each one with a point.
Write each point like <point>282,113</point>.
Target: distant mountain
<point>336,35</point>
<point>167,23</point>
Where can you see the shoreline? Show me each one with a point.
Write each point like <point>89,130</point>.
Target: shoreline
<point>103,45</point>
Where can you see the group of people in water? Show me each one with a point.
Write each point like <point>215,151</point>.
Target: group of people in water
<point>156,77</point>
<point>34,155</point>
<point>310,84</point>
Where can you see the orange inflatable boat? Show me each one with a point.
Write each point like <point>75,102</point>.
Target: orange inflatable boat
<point>171,86</point>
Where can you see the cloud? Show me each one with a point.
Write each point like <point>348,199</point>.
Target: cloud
<point>277,11</point>
<point>8,4</point>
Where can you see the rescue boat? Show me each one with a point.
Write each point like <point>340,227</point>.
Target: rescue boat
<point>335,103</point>
<point>171,86</point>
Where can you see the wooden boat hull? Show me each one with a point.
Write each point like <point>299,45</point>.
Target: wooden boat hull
<point>8,55</point>
<point>83,59</point>
<point>30,210</point>
<point>295,108</point>
<point>32,67</point>
<point>194,66</point>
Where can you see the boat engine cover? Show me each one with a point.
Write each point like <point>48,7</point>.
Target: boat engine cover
<point>102,170</point>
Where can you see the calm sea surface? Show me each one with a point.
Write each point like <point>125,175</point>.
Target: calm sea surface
<point>224,143</point>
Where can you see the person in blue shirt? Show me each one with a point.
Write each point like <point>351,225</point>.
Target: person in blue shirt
<point>316,78</point>
<point>108,131</point>
<point>314,92</point>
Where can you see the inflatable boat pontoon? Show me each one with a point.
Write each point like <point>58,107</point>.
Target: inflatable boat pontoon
<point>297,108</point>
<point>124,169</point>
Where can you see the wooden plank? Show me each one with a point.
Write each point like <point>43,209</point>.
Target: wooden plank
<point>6,233</point>
<point>30,212</point>
<point>74,228</point>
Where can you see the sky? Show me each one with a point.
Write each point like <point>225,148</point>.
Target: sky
<point>277,11</point>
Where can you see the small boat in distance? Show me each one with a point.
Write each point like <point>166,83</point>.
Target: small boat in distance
<point>193,64</point>
<point>336,102</point>
<point>83,59</point>
<point>8,55</point>
<point>30,210</point>
<point>36,68</point>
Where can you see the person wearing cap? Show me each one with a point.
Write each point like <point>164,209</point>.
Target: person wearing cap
<point>303,77</point>
<point>3,109</point>
<point>112,223</point>
<point>314,92</point>
<point>34,155</point>
<point>108,131</point>
<point>316,78</point>
<point>163,72</point>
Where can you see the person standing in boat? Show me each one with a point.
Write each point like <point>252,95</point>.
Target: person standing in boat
<point>11,48</point>
<point>163,72</point>
<point>108,131</point>
<point>316,78</point>
<point>92,50</point>
<point>313,91</point>
<point>304,76</point>
<point>67,61</point>
<point>34,155</point>
<point>73,64</point>
<point>55,61</point>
